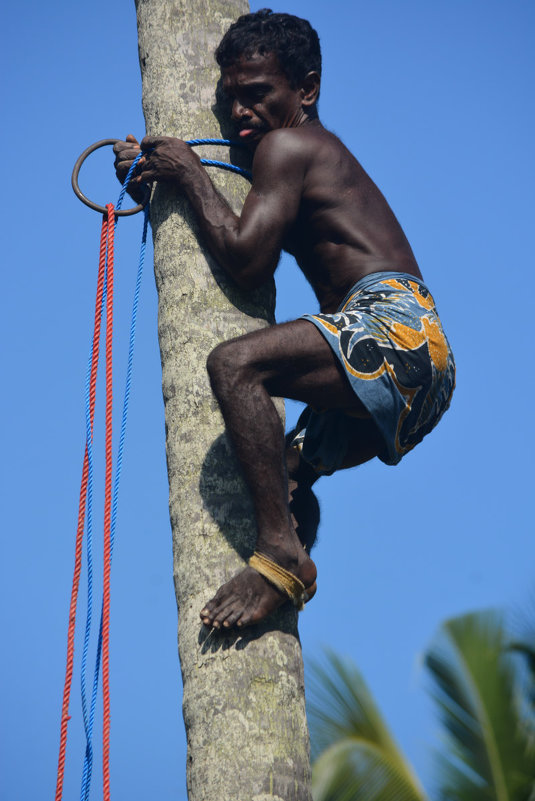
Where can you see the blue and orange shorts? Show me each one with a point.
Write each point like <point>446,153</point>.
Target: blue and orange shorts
<point>389,340</point>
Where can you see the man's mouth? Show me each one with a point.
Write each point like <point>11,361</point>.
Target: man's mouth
<point>245,133</point>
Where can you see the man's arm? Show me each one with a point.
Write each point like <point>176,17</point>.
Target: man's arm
<point>247,247</point>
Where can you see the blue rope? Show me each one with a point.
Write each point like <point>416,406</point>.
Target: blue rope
<point>224,165</point>
<point>89,715</point>
<point>227,142</point>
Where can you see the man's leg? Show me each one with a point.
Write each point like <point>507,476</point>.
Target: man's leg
<point>365,443</point>
<point>291,360</point>
<point>304,506</point>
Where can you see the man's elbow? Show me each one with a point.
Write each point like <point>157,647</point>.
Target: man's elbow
<point>249,282</point>
<point>249,277</point>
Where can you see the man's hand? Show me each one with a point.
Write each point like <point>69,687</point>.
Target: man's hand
<point>167,159</point>
<point>125,153</point>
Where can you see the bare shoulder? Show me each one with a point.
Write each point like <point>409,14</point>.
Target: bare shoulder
<point>289,148</point>
<point>277,154</point>
<point>302,148</point>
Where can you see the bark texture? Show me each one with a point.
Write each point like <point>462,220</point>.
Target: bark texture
<point>243,701</point>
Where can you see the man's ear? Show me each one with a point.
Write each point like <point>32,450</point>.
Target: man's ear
<point>310,89</point>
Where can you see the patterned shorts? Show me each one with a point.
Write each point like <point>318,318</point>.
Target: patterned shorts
<point>389,340</point>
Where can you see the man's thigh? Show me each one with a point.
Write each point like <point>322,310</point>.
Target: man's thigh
<point>293,360</point>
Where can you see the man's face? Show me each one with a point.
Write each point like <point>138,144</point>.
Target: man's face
<point>261,97</point>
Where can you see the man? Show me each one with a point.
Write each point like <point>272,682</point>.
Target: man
<point>373,367</point>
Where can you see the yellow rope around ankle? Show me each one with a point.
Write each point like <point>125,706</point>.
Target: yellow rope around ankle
<point>281,578</point>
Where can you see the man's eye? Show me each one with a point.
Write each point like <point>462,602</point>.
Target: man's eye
<point>257,96</point>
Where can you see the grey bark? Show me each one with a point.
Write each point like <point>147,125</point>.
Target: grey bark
<point>243,697</point>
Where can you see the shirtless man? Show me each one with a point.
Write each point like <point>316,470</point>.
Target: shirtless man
<point>374,360</point>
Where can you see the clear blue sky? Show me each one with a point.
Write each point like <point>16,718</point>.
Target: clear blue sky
<point>436,101</point>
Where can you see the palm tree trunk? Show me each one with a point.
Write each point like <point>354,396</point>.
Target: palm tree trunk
<point>243,695</point>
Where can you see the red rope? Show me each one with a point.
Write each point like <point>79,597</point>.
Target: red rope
<point>105,238</point>
<point>107,520</point>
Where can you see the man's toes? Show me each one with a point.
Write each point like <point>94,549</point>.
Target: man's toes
<point>245,619</point>
<point>210,611</point>
<point>208,614</point>
<point>222,614</point>
<point>232,618</point>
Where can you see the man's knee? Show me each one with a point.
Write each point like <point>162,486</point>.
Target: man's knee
<point>218,366</point>
<point>227,367</point>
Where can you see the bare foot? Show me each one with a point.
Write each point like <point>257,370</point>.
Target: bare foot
<point>249,597</point>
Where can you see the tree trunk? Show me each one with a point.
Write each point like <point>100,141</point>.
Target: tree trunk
<point>243,703</point>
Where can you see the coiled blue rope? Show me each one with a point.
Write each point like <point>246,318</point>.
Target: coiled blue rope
<point>88,711</point>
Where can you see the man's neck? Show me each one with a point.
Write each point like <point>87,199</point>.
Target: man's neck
<point>307,118</point>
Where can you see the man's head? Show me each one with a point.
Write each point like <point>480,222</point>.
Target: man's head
<point>270,67</point>
<point>292,40</point>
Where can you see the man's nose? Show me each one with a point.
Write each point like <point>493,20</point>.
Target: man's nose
<point>239,111</point>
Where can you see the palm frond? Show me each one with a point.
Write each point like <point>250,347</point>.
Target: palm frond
<point>356,755</point>
<point>523,645</point>
<point>353,770</point>
<point>489,752</point>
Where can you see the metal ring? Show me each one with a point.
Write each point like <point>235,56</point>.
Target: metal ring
<point>79,194</point>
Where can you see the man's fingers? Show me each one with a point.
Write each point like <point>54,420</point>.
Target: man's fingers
<point>123,163</point>
<point>145,177</point>
<point>128,148</point>
<point>123,151</point>
<point>150,142</point>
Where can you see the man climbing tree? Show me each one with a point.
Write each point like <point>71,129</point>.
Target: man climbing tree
<point>373,367</point>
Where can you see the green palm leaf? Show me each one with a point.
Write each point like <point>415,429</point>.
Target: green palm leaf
<point>523,645</point>
<point>489,757</point>
<point>356,756</point>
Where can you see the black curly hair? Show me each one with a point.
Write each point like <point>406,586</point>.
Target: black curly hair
<point>293,40</point>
